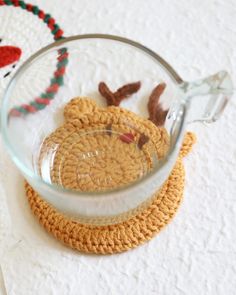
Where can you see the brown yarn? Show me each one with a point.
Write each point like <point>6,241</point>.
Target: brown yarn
<point>122,236</point>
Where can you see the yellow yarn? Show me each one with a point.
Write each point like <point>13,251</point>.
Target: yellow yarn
<point>125,235</point>
<point>88,157</point>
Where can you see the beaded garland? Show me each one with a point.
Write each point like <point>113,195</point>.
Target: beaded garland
<point>44,98</point>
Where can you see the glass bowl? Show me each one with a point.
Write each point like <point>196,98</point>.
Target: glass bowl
<point>93,161</point>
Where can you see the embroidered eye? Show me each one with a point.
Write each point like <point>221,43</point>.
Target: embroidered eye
<point>7,74</point>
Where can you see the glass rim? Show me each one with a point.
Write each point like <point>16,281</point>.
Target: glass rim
<point>28,173</point>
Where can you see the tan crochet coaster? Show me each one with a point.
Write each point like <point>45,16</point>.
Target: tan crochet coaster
<point>118,237</point>
<point>100,148</point>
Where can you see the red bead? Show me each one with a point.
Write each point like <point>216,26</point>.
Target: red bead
<point>15,113</point>
<point>58,34</point>
<point>60,72</point>
<point>29,7</point>
<point>41,14</point>
<point>15,2</point>
<point>29,108</point>
<point>62,56</point>
<point>42,101</point>
<point>51,21</point>
<point>53,88</point>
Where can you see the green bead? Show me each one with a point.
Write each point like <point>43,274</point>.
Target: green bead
<point>56,28</point>
<point>59,80</point>
<point>35,10</point>
<point>62,50</point>
<point>62,63</point>
<point>40,106</point>
<point>47,17</point>
<point>22,110</point>
<point>22,4</point>
<point>49,95</point>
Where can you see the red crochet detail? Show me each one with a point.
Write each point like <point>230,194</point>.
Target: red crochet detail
<point>9,55</point>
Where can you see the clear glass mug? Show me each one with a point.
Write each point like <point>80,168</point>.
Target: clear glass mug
<point>117,61</point>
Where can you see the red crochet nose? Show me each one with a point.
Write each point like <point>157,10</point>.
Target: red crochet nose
<point>9,55</point>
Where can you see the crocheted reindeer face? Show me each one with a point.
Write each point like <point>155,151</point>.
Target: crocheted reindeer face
<point>101,148</point>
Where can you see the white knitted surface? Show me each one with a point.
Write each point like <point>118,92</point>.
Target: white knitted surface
<point>196,254</point>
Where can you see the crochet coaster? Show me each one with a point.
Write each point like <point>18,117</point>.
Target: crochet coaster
<point>100,148</point>
<point>109,239</point>
<point>25,29</point>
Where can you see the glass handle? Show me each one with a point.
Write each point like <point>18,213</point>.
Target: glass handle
<point>207,98</point>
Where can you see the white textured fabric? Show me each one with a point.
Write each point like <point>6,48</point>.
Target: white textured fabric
<point>194,255</point>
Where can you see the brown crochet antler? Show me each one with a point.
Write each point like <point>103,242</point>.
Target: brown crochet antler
<point>156,113</point>
<point>115,98</point>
